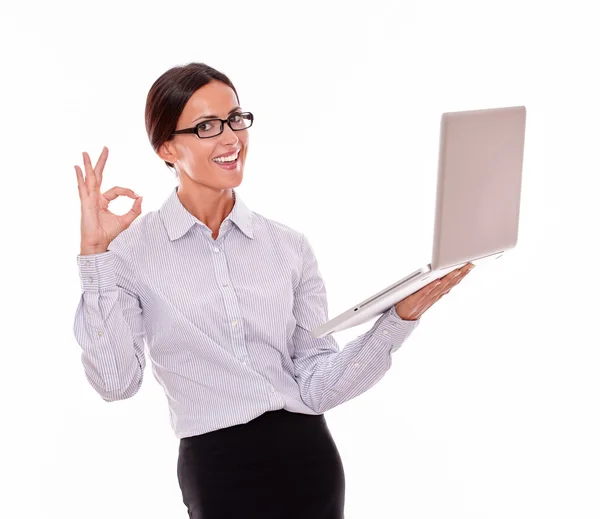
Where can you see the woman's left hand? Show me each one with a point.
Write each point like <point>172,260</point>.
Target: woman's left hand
<point>414,306</point>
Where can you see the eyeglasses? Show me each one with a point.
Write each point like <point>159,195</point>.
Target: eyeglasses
<point>213,127</point>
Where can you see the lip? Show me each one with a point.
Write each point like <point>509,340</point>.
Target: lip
<point>229,153</point>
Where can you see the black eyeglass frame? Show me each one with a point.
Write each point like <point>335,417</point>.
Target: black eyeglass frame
<point>194,129</point>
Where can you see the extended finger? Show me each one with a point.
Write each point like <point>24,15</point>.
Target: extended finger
<point>425,292</point>
<point>433,298</point>
<point>443,284</point>
<point>428,293</point>
<point>115,192</point>
<point>440,291</point>
<point>446,283</point>
<point>90,176</point>
<point>99,167</point>
<point>441,287</point>
<point>455,278</point>
<point>81,183</point>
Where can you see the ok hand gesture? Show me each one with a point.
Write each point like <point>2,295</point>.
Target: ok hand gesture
<point>98,225</point>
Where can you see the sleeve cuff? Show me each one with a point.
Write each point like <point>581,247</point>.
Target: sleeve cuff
<point>394,330</point>
<point>97,271</point>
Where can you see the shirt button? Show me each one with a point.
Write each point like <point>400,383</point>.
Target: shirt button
<point>272,390</point>
<point>234,323</point>
<point>385,332</point>
<point>225,284</point>
<point>217,249</point>
<point>99,334</point>
<point>88,263</point>
<point>91,280</point>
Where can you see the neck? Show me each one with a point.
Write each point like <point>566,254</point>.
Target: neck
<point>210,206</point>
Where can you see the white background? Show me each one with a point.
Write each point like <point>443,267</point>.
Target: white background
<point>490,410</point>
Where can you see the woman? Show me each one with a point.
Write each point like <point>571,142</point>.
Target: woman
<point>225,299</point>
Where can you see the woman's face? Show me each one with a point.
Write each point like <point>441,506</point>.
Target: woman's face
<point>193,156</point>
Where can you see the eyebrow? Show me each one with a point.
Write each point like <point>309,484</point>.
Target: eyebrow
<point>214,116</point>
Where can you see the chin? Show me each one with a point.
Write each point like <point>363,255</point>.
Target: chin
<point>234,180</point>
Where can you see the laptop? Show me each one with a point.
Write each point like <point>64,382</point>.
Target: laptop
<point>477,204</point>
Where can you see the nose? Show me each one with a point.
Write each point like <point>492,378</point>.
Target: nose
<point>228,135</point>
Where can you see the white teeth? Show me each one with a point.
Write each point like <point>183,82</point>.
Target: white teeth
<point>231,158</point>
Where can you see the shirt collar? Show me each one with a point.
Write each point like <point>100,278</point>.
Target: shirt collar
<point>178,220</point>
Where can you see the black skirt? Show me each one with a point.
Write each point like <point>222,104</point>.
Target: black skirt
<point>281,465</point>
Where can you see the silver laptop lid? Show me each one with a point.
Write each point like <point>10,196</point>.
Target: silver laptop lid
<point>479,184</point>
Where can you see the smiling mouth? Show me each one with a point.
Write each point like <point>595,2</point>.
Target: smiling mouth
<point>230,159</point>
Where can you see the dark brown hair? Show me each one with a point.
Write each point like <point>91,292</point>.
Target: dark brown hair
<point>168,96</point>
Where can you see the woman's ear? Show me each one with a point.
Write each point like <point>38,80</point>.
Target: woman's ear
<point>167,152</point>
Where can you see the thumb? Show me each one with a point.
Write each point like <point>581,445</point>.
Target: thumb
<point>133,213</point>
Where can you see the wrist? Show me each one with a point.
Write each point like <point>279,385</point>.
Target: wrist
<point>86,251</point>
<point>410,317</point>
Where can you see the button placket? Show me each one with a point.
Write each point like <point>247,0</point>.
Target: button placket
<point>232,307</point>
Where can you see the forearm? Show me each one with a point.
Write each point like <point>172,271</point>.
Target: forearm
<point>110,361</point>
<point>332,378</point>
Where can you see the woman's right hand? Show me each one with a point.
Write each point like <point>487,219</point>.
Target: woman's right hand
<point>98,225</point>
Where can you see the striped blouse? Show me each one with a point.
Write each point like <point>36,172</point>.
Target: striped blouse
<point>225,322</point>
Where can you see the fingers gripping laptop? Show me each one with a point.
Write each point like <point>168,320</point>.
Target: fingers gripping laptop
<point>477,204</point>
